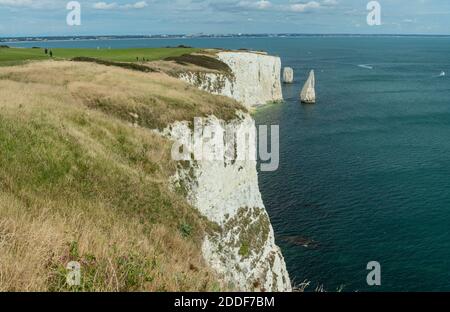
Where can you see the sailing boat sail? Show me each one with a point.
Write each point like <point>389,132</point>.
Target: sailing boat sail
<point>308,94</point>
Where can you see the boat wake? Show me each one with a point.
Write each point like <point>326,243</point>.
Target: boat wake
<point>442,74</point>
<point>366,66</point>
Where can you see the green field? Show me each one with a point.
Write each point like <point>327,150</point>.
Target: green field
<point>12,56</point>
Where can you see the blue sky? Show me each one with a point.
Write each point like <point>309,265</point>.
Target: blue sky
<point>48,17</point>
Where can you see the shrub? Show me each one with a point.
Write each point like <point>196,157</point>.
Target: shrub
<point>131,66</point>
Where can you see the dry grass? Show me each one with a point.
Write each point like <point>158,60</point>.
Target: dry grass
<point>79,181</point>
<point>116,254</point>
<point>174,69</point>
<point>155,97</point>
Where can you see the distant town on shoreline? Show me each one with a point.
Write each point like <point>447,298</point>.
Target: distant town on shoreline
<point>186,36</point>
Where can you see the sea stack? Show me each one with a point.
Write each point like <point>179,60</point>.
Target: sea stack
<point>308,94</point>
<point>288,75</point>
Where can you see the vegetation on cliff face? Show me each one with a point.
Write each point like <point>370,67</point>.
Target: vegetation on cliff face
<point>204,61</point>
<point>83,178</point>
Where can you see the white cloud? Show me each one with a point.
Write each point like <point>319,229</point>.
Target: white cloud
<point>35,4</point>
<point>294,6</point>
<point>263,4</point>
<point>260,5</point>
<point>17,2</point>
<point>140,4</point>
<point>115,5</point>
<point>330,2</point>
<point>303,7</point>
<point>105,6</point>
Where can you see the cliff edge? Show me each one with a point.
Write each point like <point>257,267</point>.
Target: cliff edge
<point>224,188</point>
<point>254,80</point>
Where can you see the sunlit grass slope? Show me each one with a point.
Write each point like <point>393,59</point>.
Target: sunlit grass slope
<point>82,177</point>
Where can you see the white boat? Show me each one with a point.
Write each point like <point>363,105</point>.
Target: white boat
<point>308,94</point>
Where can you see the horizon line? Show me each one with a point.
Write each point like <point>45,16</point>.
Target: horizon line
<point>200,35</point>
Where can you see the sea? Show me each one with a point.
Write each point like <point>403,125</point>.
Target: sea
<point>364,173</point>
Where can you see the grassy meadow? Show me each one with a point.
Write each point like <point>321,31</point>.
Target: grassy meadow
<point>83,177</point>
<point>12,56</point>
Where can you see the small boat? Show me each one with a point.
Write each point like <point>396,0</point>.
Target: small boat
<point>308,94</point>
<point>442,74</point>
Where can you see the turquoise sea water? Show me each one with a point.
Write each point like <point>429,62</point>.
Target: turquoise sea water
<point>365,173</point>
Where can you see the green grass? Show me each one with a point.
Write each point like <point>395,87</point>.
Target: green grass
<point>201,61</point>
<point>83,178</point>
<point>13,56</point>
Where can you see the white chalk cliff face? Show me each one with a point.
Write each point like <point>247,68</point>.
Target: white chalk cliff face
<point>220,179</point>
<point>255,78</point>
<point>223,186</point>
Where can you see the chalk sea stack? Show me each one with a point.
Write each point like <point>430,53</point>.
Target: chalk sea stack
<point>288,75</point>
<point>308,94</point>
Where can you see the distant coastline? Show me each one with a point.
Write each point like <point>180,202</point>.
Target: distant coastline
<point>198,36</point>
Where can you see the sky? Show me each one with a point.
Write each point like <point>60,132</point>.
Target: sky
<point>152,17</point>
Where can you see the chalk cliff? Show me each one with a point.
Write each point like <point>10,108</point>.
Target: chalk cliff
<point>308,93</point>
<point>224,188</point>
<point>288,75</point>
<point>254,80</point>
<point>223,183</point>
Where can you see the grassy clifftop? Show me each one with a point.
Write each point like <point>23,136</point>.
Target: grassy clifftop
<point>172,61</point>
<point>9,56</point>
<point>83,178</point>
